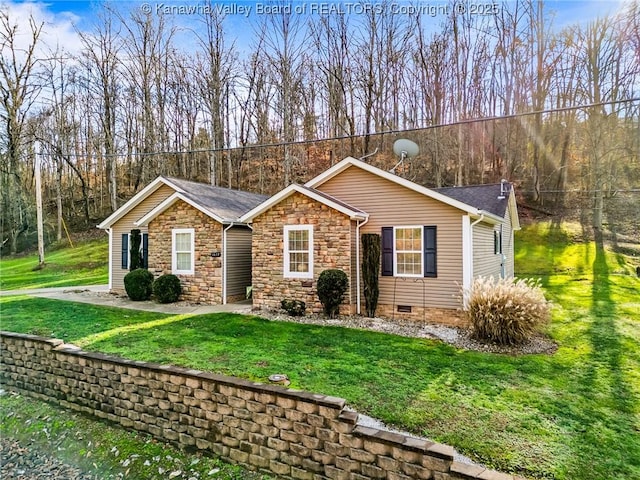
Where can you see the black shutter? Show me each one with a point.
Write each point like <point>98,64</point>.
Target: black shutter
<point>145,250</point>
<point>125,251</point>
<point>387,251</point>
<point>495,242</point>
<point>430,264</point>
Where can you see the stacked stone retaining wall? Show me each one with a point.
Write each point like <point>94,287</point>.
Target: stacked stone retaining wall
<point>289,433</point>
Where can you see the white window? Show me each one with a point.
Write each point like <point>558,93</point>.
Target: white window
<point>183,251</point>
<point>298,251</point>
<point>408,250</point>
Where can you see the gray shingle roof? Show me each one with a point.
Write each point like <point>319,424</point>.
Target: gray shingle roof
<point>484,197</point>
<point>226,203</point>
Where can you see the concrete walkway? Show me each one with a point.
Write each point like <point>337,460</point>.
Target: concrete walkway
<point>99,295</point>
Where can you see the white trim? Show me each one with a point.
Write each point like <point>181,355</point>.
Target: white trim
<point>133,201</point>
<point>110,232</point>
<point>513,211</point>
<point>167,202</point>
<point>294,188</point>
<point>395,251</point>
<point>174,259</point>
<point>287,273</point>
<point>467,257</point>
<point>350,161</point>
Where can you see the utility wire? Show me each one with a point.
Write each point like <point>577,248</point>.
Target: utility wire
<point>345,137</point>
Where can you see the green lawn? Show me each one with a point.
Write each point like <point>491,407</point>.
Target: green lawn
<point>85,264</point>
<point>572,415</point>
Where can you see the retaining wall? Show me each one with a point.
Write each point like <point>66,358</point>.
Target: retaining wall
<point>286,432</point>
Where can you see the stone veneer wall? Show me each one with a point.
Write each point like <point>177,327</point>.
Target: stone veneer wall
<point>205,285</point>
<point>289,433</point>
<point>331,249</point>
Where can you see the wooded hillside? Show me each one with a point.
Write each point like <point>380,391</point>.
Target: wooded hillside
<point>502,93</point>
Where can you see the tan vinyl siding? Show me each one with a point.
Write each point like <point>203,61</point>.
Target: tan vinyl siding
<point>389,204</point>
<point>485,262</point>
<point>238,260</point>
<point>125,224</point>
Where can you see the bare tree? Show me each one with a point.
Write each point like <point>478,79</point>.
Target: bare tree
<point>331,36</point>
<point>19,88</point>
<point>216,74</point>
<point>148,47</point>
<point>283,47</point>
<point>100,59</point>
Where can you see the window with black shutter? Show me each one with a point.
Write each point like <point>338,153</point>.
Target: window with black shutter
<point>145,250</point>
<point>125,251</point>
<point>399,254</point>
<point>387,251</point>
<point>430,245</point>
<point>497,241</point>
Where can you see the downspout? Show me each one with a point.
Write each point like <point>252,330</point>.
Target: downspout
<point>110,232</point>
<point>224,263</point>
<point>358,225</point>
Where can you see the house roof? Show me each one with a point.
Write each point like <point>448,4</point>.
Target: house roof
<point>352,212</point>
<point>488,197</point>
<point>222,204</point>
<point>475,209</point>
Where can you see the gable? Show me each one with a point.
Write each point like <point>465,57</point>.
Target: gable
<point>142,202</point>
<point>222,204</point>
<point>181,214</point>
<point>312,194</point>
<point>350,163</point>
<point>388,203</point>
<point>128,217</point>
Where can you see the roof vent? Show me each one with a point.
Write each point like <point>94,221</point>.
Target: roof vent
<point>505,187</point>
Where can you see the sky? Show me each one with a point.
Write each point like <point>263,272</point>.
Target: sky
<point>64,17</point>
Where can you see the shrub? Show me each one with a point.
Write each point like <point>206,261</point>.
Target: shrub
<point>137,284</point>
<point>167,288</point>
<point>295,308</point>
<point>135,253</point>
<point>332,285</point>
<point>371,271</point>
<point>506,311</point>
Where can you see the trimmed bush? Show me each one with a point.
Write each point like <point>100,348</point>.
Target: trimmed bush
<point>136,255</point>
<point>506,311</point>
<point>138,283</point>
<point>167,288</point>
<point>332,285</point>
<point>371,271</point>
<point>295,308</point>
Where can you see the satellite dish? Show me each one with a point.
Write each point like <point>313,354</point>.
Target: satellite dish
<point>405,148</point>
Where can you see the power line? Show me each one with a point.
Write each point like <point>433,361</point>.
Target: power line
<point>346,137</point>
<point>616,190</point>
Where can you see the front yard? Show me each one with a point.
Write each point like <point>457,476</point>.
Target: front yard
<point>571,415</point>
